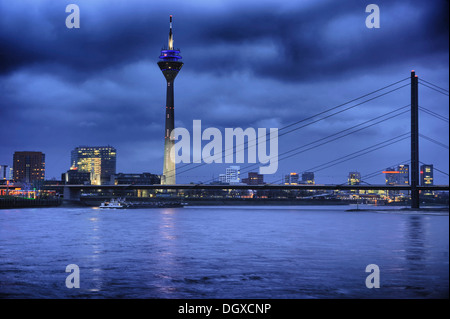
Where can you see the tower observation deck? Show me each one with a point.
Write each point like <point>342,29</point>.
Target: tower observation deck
<point>170,66</point>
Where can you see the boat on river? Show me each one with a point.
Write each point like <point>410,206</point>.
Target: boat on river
<point>122,203</point>
<point>113,204</point>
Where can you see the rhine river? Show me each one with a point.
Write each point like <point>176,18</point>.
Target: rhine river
<point>223,252</point>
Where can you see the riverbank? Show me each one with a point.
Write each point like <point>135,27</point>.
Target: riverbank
<point>17,202</point>
<point>20,202</point>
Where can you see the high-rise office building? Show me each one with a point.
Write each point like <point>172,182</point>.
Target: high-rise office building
<point>391,177</point>
<point>308,178</point>
<point>4,172</point>
<point>397,175</point>
<point>28,167</point>
<point>426,175</point>
<point>99,161</point>
<point>354,178</point>
<point>291,179</point>
<point>403,176</point>
<point>170,66</point>
<point>233,174</point>
<point>254,179</point>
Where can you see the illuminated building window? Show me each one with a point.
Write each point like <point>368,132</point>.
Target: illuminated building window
<point>100,162</point>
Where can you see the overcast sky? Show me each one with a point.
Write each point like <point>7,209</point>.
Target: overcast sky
<point>258,64</point>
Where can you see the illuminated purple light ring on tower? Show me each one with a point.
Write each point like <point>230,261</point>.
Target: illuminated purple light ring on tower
<point>170,55</point>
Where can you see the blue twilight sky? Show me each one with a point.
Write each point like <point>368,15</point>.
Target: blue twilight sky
<point>258,64</point>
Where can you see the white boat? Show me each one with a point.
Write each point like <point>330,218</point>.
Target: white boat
<point>113,203</point>
<point>122,203</point>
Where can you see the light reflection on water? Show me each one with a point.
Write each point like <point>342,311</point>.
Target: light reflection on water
<point>222,252</point>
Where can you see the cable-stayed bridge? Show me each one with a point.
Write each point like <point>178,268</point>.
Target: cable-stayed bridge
<point>413,107</point>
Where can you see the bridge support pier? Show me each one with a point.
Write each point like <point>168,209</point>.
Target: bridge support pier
<point>414,140</point>
<point>71,194</point>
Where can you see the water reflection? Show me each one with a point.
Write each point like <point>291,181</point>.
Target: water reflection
<point>415,239</point>
<point>166,253</point>
<point>237,253</point>
<point>96,251</point>
<point>167,224</point>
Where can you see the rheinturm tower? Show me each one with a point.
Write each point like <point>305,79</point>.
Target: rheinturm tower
<point>170,66</point>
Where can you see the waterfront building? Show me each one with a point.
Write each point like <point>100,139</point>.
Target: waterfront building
<point>308,178</point>
<point>397,175</point>
<point>291,179</point>
<point>403,176</point>
<point>4,172</point>
<point>99,161</point>
<point>223,178</point>
<point>354,178</point>
<point>426,175</point>
<point>254,179</point>
<point>232,175</point>
<point>76,177</point>
<point>136,179</point>
<point>391,176</point>
<point>28,167</point>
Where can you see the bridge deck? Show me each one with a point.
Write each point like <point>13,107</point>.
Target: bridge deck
<point>260,187</point>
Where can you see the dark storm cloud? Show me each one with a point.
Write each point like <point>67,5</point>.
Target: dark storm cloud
<point>329,39</point>
<point>303,43</point>
<point>110,35</point>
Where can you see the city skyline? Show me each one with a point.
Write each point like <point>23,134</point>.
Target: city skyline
<point>100,85</point>
<point>97,154</point>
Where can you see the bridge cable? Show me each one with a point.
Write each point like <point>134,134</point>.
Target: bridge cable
<point>436,115</point>
<point>367,126</point>
<point>437,90</point>
<point>439,87</point>
<point>434,141</point>
<point>358,153</point>
<point>201,164</point>
<point>378,172</point>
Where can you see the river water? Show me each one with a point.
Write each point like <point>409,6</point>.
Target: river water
<point>223,252</point>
